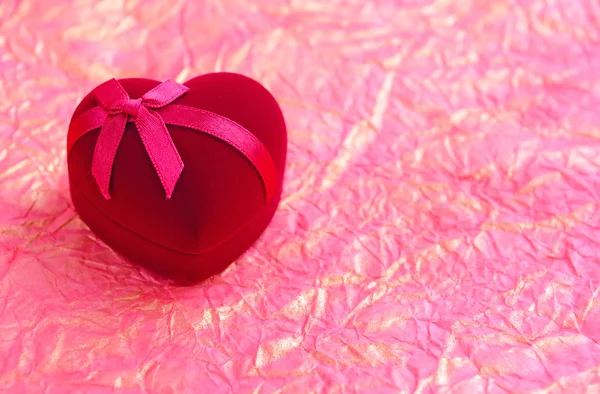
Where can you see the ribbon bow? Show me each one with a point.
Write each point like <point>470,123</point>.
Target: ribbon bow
<point>118,106</point>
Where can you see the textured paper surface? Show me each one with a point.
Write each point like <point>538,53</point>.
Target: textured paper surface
<point>440,230</point>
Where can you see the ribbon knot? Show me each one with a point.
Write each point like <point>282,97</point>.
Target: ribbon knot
<point>131,106</point>
<point>117,104</point>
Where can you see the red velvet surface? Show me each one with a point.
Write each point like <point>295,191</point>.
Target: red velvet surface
<point>217,210</point>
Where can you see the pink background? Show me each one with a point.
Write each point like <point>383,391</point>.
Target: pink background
<point>440,229</point>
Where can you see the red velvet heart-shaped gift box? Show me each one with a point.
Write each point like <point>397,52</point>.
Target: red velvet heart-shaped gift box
<point>181,179</point>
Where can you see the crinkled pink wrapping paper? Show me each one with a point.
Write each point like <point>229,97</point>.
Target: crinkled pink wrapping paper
<point>440,230</point>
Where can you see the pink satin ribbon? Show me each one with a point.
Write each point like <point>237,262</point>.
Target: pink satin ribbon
<point>150,114</point>
<point>155,136</point>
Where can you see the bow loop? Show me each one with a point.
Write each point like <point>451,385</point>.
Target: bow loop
<point>164,94</point>
<point>115,101</point>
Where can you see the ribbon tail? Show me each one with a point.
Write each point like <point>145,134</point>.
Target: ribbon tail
<point>160,148</point>
<point>106,149</point>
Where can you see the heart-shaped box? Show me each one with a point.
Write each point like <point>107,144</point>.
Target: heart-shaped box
<point>181,179</point>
